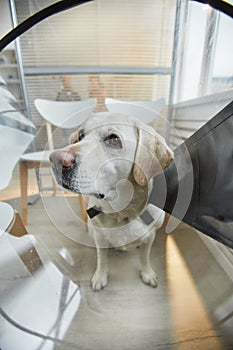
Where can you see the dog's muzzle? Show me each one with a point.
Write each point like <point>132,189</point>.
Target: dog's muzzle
<point>64,165</point>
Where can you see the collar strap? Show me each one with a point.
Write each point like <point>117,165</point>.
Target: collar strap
<point>146,217</point>
<point>93,211</point>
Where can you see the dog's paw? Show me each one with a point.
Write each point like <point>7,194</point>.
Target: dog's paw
<point>99,281</point>
<point>150,278</point>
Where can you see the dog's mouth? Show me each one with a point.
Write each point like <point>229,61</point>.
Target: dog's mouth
<point>65,178</point>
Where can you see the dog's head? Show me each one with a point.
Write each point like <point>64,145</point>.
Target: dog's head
<point>107,150</point>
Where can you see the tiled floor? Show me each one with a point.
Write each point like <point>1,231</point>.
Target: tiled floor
<point>55,308</point>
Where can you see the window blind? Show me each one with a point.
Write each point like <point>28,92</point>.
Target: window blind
<point>111,48</point>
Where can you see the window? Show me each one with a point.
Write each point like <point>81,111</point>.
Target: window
<point>110,48</point>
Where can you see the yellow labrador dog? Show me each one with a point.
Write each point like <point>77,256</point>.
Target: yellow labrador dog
<point>111,159</point>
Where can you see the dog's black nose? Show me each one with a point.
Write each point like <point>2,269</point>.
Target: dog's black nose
<point>62,159</point>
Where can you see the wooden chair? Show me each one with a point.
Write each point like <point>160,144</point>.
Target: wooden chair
<point>62,114</point>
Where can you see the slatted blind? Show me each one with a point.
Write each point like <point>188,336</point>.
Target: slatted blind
<point>103,32</point>
<point>106,48</point>
<point>94,43</point>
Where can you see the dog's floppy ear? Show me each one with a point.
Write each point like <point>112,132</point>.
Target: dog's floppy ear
<point>73,138</point>
<point>152,155</point>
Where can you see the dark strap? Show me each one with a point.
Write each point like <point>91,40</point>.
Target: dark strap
<point>145,216</point>
<point>93,211</point>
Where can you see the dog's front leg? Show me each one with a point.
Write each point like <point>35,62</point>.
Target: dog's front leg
<point>100,277</point>
<point>147,273</point>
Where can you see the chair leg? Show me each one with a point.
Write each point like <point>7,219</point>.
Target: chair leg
<point>24,190</point>
<point>83,208</point>
<point>17,228</point>
<point>30,257</point>
<point>54,187</point>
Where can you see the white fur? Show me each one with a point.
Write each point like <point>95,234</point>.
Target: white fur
<point>125,185</point>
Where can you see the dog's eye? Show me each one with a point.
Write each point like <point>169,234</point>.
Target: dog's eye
<point>81,135</point>
<point>113,141</point>
<point>77,136</point>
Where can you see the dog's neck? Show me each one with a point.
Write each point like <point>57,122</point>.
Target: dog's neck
<point>129,212</point>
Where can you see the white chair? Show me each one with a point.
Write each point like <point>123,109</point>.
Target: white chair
<point>7,217</point>
<point>25,280</point>
<point>13,143</point>
<point>62,114</point>
<point>146,111</point>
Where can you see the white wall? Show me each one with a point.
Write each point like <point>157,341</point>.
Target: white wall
<point>5,20</point>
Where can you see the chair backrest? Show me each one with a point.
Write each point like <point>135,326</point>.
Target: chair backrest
<point>65,114</point>
<point>11,109</point>
<point>13,141</point>
<point>7,214</point>
<point>146,111</point>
